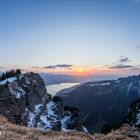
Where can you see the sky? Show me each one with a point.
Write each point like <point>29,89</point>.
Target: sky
<point>71,36</point>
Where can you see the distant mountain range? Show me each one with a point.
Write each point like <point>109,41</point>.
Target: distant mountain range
<point>104,106</point>
<point>104,103</point>
<point>61,78</point>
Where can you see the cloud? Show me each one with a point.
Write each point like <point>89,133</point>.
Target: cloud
<point>135,68</point>
<point>58,66</point>
<point>123,59</point>
<point>121,66</point>
<point>1,67</point>
<point>51,67</point>
<point>36,67</point>
<point>122,63</point>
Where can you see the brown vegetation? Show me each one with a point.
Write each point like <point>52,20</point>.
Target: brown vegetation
<point>10,131</point>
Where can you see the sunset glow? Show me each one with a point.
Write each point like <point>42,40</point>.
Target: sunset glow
<point>81,71</point>
<point>63,37</point>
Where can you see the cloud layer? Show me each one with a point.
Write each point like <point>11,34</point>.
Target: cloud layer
<point>121,66</point>
<point>123,63</point>
<point>124,59</point>
<point>58,66</point>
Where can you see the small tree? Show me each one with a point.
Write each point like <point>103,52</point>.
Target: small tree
<point>10,73</point>
<point>18,71</point>
<point>57,99</point>
<point>3,77</point>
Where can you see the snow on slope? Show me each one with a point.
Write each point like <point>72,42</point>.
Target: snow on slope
<point>32,106</point>
<point>48,117</point>
<point>8,79</point>
<point>16,90</point>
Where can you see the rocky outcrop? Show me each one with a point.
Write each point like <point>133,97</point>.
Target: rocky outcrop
<point>133,117</point>
<point>25,101</point>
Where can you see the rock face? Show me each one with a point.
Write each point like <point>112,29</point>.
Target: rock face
<point>105,103</point>
<point>133,117</point>
<point>25,101</point>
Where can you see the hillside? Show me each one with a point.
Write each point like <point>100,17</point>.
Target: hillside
<point>105,102</point>
<point>15,132</point>
<point>28,112</point>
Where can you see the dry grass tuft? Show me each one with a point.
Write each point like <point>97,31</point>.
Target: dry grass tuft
<point>10,131</point>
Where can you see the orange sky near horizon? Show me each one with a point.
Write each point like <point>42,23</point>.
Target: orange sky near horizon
<point>75,70</point>
<point>83,71</point>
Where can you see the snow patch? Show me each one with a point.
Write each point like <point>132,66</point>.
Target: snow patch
<point>46,122</point>
<point>31,117</point>
<point>64,122</point>
<point>16,90</point>
<point>85,130</point>
<point>138,118</point>
<point>130,85</point>
<point>102,84</point>
<point>117,81</point>
<point>8,80</point>
<point>37,107</point>
<point>50,108</point>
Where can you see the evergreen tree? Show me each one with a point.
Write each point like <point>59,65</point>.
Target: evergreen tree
<point>3,77</point>
<point>10,73</point>
<point>18,71</point>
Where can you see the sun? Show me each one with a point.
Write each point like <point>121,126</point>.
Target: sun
<point>80,71</point>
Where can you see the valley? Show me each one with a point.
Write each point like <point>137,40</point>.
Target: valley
<point>104,103</point>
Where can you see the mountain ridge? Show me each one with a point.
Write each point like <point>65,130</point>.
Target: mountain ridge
<point>104,102</point>
<point>25,101</point>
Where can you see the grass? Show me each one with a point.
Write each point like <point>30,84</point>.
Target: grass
<point>14,132</point>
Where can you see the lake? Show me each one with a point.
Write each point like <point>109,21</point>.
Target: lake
<point>54,88</point>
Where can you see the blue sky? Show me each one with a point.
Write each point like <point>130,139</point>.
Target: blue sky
<point>82,33</point>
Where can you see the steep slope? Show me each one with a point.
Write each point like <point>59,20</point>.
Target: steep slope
<point>133,117</point>
<point>10,131</point>
<point>25,101</point>
<point>104,103</point>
